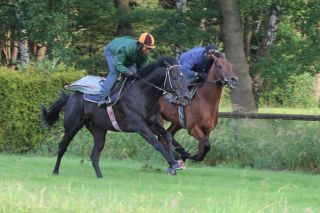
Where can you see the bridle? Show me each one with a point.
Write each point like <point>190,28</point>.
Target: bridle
<point>169,77</point>
<point>166,80</point>
<point>221,78</point>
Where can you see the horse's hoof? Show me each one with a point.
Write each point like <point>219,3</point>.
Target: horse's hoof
<point>182,165</point>
<point>55,173</point>
<point>171,171</point>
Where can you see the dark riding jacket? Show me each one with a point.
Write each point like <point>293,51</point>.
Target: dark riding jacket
<point>125,51</point>
<point>193,61</point>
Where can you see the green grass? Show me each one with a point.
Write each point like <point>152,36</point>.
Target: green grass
<point>27,185</point>
<point>304,111</point>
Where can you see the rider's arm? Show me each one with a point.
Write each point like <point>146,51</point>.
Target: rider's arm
<point>119,60</point>
<point>186,67</point>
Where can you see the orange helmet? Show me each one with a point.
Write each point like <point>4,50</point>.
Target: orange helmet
<point>147,40</point>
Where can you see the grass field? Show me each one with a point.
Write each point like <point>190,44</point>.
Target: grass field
<point>27,185</point>
<point>283,110</point>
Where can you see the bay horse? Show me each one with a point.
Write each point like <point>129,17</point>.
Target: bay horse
<point>138,111</point>
<point>201,114</point>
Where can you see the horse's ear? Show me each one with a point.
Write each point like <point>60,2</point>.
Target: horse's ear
<point>214,57</point>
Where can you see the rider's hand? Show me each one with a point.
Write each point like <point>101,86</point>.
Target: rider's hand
<point>131,73</point>
<point>135,74</point>
<point>202,75</point>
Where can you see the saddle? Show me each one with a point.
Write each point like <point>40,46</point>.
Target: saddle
<point>91,85</point>
<point>117,89</point>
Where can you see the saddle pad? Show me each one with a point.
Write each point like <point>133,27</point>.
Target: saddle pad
<point>92,97</point>
<point>89,85</point>
<point>95,98</point>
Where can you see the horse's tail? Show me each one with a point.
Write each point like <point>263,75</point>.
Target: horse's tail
<point>51,115</point>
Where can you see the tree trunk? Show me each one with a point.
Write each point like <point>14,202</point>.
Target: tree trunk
<point>41,52</point>
<point>181,5</point>
<point>242,97</point>
<point>14,57</point>
<point>124,25</point>
<point>248,37</point>
<point>271,34</point>
<point>24,54</point>
<point>1,47</point>
<point>7,46</point>
<point>23,42</point>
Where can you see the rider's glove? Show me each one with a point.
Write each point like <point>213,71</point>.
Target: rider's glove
<point>201,75</point>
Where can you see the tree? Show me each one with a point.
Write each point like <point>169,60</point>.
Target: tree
<point>242,97</point>
<point>124,24</point>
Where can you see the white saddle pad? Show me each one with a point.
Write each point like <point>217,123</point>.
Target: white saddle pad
<point>89,84</point>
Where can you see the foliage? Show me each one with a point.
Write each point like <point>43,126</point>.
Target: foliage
<point>299,92</point>
<point>22,95</point>
<point>280,145</point>
<point>76,31</point>
<point>291,63</point>
<point>196,26</point>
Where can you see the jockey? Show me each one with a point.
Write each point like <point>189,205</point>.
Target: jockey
<point>196,61</point>
<point>124,55</point>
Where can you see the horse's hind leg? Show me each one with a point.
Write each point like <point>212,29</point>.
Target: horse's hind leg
<point>67,137</point>
<point>173,129</point>
<point>148,134</point>
<point>165,137</point>
<point>72,124</point>
<point>99,137</point>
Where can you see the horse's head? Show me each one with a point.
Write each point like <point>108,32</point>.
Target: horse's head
<point>175,82</point>
<point>222,70</point>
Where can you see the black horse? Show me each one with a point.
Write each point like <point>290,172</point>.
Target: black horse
<point>137,111</point>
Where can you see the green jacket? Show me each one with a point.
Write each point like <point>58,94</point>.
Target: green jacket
<point>125,53</point>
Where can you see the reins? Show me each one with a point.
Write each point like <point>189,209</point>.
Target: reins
<point>164,84</point>
<point>153,85</point>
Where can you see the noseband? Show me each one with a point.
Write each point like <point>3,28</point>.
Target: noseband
<point>169,77</point>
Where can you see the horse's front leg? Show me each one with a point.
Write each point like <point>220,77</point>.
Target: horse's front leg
<point>147,133</point>
<point>166,138</point>
<point>204,144</point>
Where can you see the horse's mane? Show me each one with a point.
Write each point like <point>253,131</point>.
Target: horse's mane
<point>146,70</point>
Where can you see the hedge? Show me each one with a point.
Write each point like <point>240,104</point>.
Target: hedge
<point>22,94</point>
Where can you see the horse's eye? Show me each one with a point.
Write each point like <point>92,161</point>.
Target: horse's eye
<point>219,66</point>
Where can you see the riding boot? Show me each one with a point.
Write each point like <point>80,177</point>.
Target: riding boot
<point>105,100</point>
